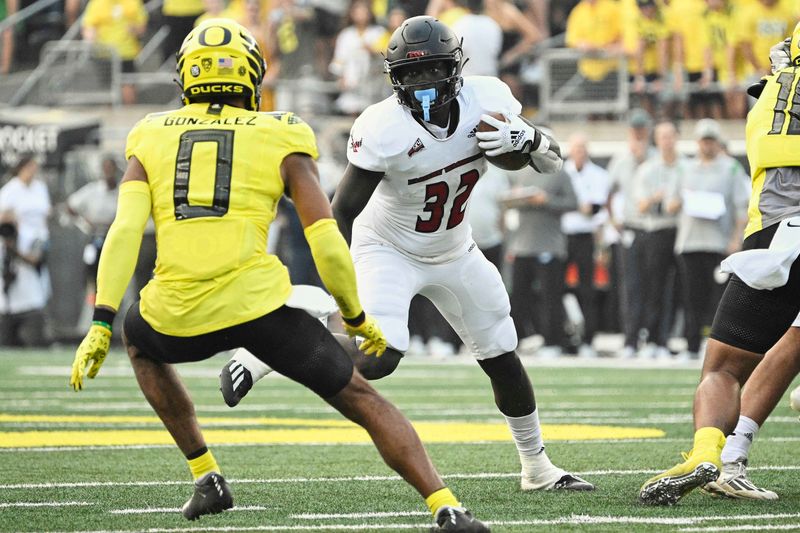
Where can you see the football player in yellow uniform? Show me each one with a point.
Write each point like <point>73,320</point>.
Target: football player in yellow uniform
<point>762,299</point>
<point>211,174</point>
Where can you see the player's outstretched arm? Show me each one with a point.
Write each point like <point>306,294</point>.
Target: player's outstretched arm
<point>329,249</point>
<point>352,194</point>
<point>117,263</point>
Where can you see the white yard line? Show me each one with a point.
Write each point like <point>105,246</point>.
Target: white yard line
<point>4,505</point>
<point>566,520</point>
<point>327,516</point>
<point>745,527</point>
<point>155,510</point>
<point>58,449</point>
<point>346,479</point>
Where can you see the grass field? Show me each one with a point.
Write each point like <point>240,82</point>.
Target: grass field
<point>100,461</point>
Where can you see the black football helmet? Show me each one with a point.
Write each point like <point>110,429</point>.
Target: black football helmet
<point>422,40</point>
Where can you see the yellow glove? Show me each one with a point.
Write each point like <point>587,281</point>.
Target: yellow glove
<point>374,341</point>
<point>94,347</point>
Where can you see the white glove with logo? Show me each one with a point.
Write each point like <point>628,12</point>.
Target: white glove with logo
<point>518,135</point>
<point>779,55</point>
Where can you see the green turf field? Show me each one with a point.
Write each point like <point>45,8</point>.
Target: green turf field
<point>294,465</point>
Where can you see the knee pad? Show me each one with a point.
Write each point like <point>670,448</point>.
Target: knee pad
<point>502,339</point>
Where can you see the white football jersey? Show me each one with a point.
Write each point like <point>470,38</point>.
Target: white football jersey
<point>420,205</point>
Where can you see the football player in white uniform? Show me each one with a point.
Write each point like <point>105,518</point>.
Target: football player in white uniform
<point>413,161</point>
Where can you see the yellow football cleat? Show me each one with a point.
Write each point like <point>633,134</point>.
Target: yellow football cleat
<point>698,468</point>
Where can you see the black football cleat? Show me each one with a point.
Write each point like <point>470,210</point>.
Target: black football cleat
<point>235,381</point>
<point>458,519</point>
<point>212,495</point>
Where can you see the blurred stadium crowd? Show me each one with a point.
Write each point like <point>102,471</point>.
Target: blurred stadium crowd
<point>629,245</point>
<point>678,58</point>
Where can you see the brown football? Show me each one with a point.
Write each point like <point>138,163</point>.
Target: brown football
<point>509,160</point>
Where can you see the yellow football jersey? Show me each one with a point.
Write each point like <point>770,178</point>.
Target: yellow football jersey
<point>214,175</point>
<point>773,143</point>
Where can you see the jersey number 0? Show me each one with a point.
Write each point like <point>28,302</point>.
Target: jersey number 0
<point>222,174</point>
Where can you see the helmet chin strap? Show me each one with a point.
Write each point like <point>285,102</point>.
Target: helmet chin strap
<point>425,97</point>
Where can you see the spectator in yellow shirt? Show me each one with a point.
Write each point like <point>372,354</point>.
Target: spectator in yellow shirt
<point>117,24</point>
<point>687,28</point>
<point>721,58</point>
<point>595,26</point>
<point>647,42</point>
<point>761,26</point>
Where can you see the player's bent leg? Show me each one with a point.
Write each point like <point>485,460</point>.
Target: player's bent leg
<point>725,369</point>
<point>245,369</point>
<point>475,303</point>
<point>402,450</point>
<point>515,399</point>
<point>369,366</point>
<point>760,395</point>
<point>165,392</point>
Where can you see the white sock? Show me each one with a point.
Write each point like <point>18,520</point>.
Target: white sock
<point>738,443</point>
<point>258,369</point>
<point>527,435</point>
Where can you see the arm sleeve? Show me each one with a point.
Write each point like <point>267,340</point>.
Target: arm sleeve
<point>121,248</point>
<point>334,264</point>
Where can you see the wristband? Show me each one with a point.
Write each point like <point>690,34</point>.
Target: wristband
<point>103,317</point>
<point>356,320</point>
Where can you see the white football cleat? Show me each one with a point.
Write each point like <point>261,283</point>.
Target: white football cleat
<point>541,474</point>
<point>734,483</point>
<point>794,399</point>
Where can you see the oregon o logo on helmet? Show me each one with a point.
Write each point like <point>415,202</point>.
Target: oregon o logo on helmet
<point>226,36</point>
<point>221,89</point>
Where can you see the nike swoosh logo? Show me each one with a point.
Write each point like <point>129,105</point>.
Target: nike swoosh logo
<point>793,225</point>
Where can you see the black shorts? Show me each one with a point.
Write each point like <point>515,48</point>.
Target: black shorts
<point>289,340</point>
<point>752,319</point>
<point>128,66</point>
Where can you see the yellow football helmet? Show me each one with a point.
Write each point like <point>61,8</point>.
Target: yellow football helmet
<point>220,57</point>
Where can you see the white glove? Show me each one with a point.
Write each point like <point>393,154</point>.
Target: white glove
<point>779,55</point>
<point>517,135</point>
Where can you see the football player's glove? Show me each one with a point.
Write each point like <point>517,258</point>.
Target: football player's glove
<point>780,55</point>
<point>519,135</point>
<point>94,347</point>
<point>374,341</point>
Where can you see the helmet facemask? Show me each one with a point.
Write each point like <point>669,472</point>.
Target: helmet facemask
<point>426,96</point>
